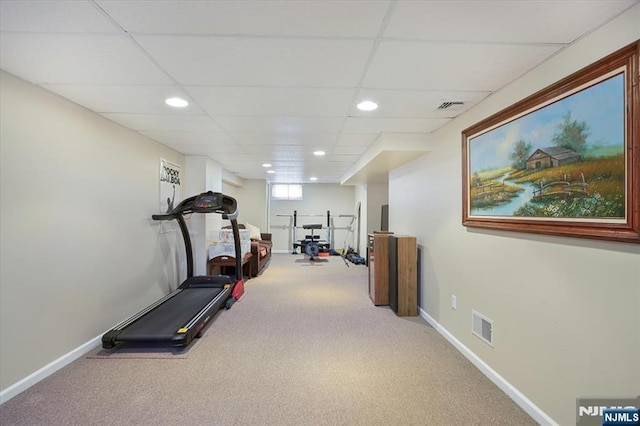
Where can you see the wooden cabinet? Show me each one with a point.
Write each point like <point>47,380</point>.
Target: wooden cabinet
<point>403,275</point>
<point>224,264</point>
<point>378,263</point>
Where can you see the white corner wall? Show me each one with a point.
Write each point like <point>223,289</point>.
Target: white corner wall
<point>203,174</point>
<point>79,250</point>
<point>565,310</point>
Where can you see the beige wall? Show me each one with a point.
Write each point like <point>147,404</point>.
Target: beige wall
<point>377,196</point>
<point>79,251</point>
<point>371,197</point>
<point>567,322</point>
<point>252,203</point>
<point>230,190</point>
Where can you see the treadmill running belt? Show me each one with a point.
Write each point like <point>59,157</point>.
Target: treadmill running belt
<point>163,322</point>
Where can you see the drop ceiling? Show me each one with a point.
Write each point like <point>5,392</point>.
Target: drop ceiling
<point>273,81</point>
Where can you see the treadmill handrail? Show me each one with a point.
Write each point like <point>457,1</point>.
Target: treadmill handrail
<point>203,203</point>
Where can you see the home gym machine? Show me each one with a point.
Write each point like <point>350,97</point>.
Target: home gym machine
<point>323,245</point>
<point>181,315</point>
<point>311,244</point>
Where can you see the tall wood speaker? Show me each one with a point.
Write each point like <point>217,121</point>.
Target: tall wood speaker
<point>403,275</point>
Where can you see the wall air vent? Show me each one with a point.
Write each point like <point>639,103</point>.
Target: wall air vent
<point>451,105</point>
<point>482,327</point>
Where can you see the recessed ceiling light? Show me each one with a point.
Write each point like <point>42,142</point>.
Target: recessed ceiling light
<point>266,165</point>
<point>271,171</point>
<point>367,106</point>
<point>313,178</point>
<point>318,153</point>
<point>176,102</point>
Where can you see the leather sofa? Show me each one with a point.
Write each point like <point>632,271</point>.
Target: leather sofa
<point>261,251</point>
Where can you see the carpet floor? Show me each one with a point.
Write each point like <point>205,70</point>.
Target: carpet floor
<point>304,346</point>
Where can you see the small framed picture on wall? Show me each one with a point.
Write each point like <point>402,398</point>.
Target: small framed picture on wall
<point>170,185</point>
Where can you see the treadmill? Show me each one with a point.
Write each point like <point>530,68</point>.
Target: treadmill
<point>181,315</point>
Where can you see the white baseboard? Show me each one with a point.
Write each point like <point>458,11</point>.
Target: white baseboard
<point>523,402</point>
<point>49,369</point>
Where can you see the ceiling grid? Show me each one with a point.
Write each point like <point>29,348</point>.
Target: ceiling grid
<point>272,81</point>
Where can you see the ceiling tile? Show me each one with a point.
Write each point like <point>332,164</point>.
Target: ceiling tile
<point>267,18</point>
<point>77,59</point>
<point>272,80</point>
<point>165,122</point>
<point>192,138</point>
<point>280,125</point>
<point>400,125</point>
<point>289,169</point>
<point>314,140</point>
<point>282,62</point>
<point>415,103</point>
<point>500,21</point>
<point>357,139</point>
<point>229,160</point>
<point>267,150</point>
<point>272,101</point>
<point>208,150</point>
<point>124,99</point>
<point>288,178</point>
<point>278,155</point>
<point>452,66</point>
<point>347,150</point>
<point>54,16</point>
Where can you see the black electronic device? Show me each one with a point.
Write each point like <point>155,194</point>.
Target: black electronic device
<point>384,217</point>
<point>181,315</point>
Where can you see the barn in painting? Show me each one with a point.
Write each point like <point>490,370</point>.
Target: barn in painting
<point>553,156</point>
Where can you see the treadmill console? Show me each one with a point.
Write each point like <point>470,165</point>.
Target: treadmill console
<point>214,202</point>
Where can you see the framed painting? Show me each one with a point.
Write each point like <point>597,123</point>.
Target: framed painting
<point>564,161</point>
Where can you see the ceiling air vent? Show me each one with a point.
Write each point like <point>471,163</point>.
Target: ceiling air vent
<point>450,104</point>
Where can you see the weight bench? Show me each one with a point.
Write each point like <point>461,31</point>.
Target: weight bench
<point>311,245</point>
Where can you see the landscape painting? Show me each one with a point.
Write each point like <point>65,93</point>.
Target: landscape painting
<point>564,161</point>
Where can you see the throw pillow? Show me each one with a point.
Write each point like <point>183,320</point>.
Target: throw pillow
<point>254,231</point>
